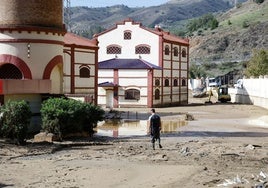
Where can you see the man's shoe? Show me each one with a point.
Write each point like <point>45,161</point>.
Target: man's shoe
<point>160,146</point>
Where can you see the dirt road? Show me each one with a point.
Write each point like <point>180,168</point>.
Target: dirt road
<point>225,146</point>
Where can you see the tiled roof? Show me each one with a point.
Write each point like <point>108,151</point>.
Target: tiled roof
<point>107,84</point>
<point>158,31</point>
<point>126,64</point>
<point>168,36</point>
<point>72,39</point>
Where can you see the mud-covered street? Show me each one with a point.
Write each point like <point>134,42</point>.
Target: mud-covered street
<point>226,145</point>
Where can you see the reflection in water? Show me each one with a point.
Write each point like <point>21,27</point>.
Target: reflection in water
<point>135,127</point>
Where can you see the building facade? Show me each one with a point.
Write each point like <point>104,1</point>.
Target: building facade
<point>141,67</point>
<point>80,70</point>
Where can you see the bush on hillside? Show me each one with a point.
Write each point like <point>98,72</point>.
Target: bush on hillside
<point>64,116</point>
<point>15,119</point>
<point>258,1</point>
<point>204,22</point>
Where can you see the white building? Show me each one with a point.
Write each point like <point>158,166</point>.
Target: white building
<point>141,67</point>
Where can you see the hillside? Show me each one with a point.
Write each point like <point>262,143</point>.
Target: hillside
<point>240,31</point>
<point>166,15</point>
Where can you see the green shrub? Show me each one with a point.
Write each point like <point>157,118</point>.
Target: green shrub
<point>258,1</point>
<point>258,64</point>
<point>245,24</point>
<point>15,119</point>
<point>64,116</point>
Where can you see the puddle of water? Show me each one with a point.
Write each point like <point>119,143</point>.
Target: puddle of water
<point>261,121</point>
<point>125,128</point>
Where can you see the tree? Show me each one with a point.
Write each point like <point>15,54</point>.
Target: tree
<point>15,119</point>
<point>258,64</point>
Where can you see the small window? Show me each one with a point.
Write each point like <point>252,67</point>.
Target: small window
<point>127,35</point>
<point>132,94</point>
<point>142,50</point>
<point>175,82</point>
<point>157,82</point>
<point>183,82</point>
<point>176,52</point>
<point>166,50</point>
<point>166,82</point>
<point>84,72</point>
<point>183,53</point>
<point>113,50</point>
<point>157,94</point>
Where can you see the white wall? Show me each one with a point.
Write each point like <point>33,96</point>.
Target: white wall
<point>39,53</point>
<point>254,91</point>
<point>139,36</point>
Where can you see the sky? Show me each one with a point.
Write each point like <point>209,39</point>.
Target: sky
<point>105,3</point>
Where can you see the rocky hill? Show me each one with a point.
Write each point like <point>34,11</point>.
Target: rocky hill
<point>166,15</point>
<point>240,31</point>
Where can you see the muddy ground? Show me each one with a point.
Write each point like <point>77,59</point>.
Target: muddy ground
<point>226,145</point>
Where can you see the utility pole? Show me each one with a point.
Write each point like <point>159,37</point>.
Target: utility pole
<point>67,14</point>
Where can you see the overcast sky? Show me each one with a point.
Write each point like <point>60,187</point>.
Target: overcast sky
<point>129,3</point>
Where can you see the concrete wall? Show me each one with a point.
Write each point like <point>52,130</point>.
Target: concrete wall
<point>253,91</point>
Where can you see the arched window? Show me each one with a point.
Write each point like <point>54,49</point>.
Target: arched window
<point>84,72</point>
<point>157,94</point>
<point>9,71</point>
<point>175,82</point>
<point>142,49</point>
<point>127,35</point>
<point>183,82</point>
<point>166,50</point>
<point>157,82</point>
<point>113,49</point>
<point>132,94</point>
<point>166,82</point>
<point>176,52</point>
<point>183,53</point>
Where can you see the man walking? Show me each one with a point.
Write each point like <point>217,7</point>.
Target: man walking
<point>155,128</point>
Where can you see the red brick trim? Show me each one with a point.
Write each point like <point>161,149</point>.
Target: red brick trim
<point>31,41</point>
<point>30,29</point>
<point>19,63</point>
<point>54,62</point>
<point>116,80</point>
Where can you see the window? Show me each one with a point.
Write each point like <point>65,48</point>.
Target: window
<point>157,94</point>
<point>127,35</point>
<point>166,50</point>
<point>113,50</point>
<point>84,72</point>
<point>183,82</point>
<point>176,52</point>
<point>157,82</point>
<point>132,94</point>
<point>142,49</point>
<point>175,82</point>
<point>166,82</point>
<point>9,71</point>
<point>183,53</point>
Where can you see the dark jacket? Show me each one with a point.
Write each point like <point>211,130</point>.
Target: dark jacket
<point>155,125</point>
